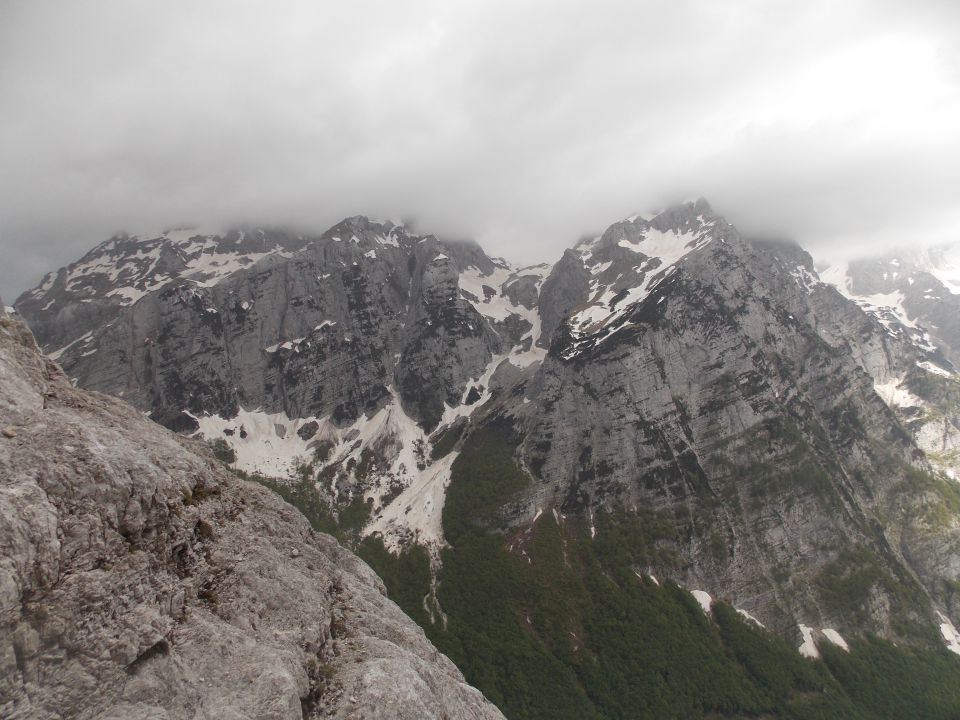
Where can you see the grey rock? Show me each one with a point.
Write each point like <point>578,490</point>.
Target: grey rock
<point>736,402</point>
<point>926,299</point>
<point>523,290</point>
<point>715,382</point>
<point>140,579</point>
<point>567,287</point>
<point>311,327</point>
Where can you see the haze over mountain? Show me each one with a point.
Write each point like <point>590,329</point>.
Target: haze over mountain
<point>298,296</point>
<point>521,127</point>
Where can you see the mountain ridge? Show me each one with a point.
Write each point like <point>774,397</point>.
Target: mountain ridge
<point>421,341</point>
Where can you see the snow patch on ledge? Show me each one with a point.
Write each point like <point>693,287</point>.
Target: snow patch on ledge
<point>660,253</point>
<point>750,617</point>
<point>268,444</point>
<point>894,393</point>
<point>931,368</point>
<point>808,648</point>
<point>950,635</point>
<point>706,602</point>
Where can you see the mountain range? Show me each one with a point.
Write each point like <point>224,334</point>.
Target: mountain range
<point>671,431</point>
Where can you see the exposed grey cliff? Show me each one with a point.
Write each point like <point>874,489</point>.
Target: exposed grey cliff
<point>726,389</point>
<point>787,433</point>
<point>313,327</point>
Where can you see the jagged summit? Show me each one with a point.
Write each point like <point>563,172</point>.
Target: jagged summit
<point>630,260</point>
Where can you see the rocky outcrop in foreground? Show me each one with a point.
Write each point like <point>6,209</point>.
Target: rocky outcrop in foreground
<point>140,579</point>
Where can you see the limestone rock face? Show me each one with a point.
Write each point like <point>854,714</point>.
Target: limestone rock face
<point>349,346</point>
<point>140,579</point>
<point>788,428</point>
<point>721,385</point>
<point>917,289</point>
<point>308,327</point>
<point>915,297</point>
<point>567,287</point>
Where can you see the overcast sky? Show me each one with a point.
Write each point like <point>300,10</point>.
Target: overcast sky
<point>521,124</point>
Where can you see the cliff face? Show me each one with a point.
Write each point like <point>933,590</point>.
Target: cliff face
<point>351,346</point>
<point>794,443</point>
<point>726,389</point>
<point>140,579</point>
<point>915,296</point>
<point>309,328</point>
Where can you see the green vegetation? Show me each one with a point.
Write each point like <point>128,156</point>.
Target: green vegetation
<point>344,523</point>
<point>446,442</point>
<point>943,392</point>
<point>489,477</point>
<point>353,516</point>
<point>407,575</point>
<point>846,583</point>
<point>551,623</point>
<point>222,451</point>
<point>584,639</point>
<point>943,497</point>
<point>303,496</point>
<point>884,681</point>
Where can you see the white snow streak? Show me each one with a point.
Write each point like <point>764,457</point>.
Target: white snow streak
<point>706,602</point>
<point>808,648</point>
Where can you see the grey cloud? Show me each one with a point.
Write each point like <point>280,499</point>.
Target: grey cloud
<point>524,125</point>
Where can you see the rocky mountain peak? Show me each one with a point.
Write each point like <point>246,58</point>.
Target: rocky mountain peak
<point>626,263</point>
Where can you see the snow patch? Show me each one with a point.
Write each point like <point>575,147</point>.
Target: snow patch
<point>660,254</point>
<point>805,279</point>
<point>286,345</point>
<point>418,508</point>
<point>268,444</point>
<point>706,602</point>
<point>808,648</point>
<point>81,341</point>
<point>750,617</point>
<point>834,637</point>
<point>895,395</point>
<point>931,368</point>
<point>950,635</point>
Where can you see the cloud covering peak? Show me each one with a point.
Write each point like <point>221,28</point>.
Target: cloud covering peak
<point>522,125</point>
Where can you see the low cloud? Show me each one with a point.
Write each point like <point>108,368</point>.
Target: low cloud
<point>523,125</point>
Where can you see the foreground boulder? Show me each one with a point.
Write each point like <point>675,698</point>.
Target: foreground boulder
<point>140,579</point>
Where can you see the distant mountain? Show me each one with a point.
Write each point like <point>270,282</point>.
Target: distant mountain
<point>668,400</point>
<point>916,297</point>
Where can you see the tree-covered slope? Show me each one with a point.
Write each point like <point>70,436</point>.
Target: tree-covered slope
<point>556,621</point>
